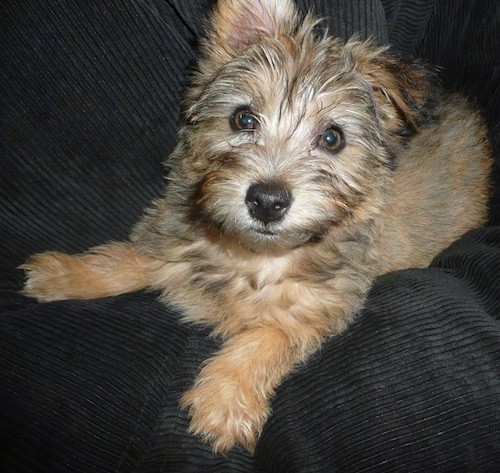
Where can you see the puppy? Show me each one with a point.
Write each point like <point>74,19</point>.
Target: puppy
<point>306,167</point>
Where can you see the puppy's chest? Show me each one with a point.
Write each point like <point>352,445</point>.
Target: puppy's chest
<point>235,280</point>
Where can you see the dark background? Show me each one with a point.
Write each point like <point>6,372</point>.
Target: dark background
<point>90,99</point>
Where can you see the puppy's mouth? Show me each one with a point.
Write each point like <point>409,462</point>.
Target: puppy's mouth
<point>272,231</point>
<point>265,232</point>
<point>274,236</point>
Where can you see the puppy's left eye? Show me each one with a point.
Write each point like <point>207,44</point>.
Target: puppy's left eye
<point>243,120</point>
<point>332,139</point>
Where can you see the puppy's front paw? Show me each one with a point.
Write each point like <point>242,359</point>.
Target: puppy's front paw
<point>48,276</point>
<point>225,413</point>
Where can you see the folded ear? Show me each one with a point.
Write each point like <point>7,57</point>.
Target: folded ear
<point>404,91</point>
<point>237,24</point>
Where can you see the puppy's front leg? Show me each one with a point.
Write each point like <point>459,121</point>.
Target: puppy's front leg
<point>106,270</point>
<point>229,402</point>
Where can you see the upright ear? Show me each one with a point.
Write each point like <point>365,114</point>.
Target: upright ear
<point>237,24</point>
<point>405,92</point>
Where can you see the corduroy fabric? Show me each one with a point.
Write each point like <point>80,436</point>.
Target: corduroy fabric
<point>90,94</point>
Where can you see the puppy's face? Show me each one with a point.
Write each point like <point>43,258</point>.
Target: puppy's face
<point>287,138</point>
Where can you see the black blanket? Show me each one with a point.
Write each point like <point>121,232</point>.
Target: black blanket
<point>90,94</point>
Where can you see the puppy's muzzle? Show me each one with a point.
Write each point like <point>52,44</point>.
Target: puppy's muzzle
<point>268,202</point>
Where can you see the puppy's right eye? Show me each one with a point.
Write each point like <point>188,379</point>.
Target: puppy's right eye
<point>243,119</point>
<point>332,139</point>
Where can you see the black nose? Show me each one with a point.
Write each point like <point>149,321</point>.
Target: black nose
<point>268,202</point>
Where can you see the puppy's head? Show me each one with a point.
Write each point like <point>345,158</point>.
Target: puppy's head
<point>290,133</point>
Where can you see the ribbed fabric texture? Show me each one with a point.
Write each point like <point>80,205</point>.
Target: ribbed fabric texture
<point>345,18</point>
<point>90,95</point>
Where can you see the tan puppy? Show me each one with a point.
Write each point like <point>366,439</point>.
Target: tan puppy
<point>306,168</point>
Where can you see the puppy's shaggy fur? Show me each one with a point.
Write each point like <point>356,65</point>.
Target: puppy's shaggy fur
<point>306,168</point>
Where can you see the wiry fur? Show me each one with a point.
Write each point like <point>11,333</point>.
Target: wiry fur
<point>411,177</point>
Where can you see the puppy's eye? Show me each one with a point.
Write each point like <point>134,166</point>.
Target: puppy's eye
<point>243,119</point>
<point>332,139</point>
